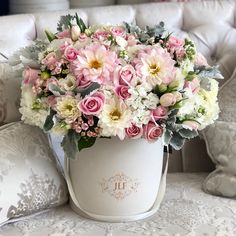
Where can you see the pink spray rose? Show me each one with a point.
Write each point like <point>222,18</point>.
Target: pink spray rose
<point>134,132</point>
<point>70,53</point>
<point>101,35</point>
<point>152,131</point>
<point>50,60</point>
<point>92,104</point>
<point>118,31</point>
<point>131,40</point>
<point>63,34</point>
<point>174,42</point>
<point>83,82</point>
<point>122,91</point>
<point>30,76</point>
<point>167,99</point>
<point>159,113</point>
<point>124,75</point>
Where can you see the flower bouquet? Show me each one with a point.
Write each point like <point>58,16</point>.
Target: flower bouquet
<point>102,81</point>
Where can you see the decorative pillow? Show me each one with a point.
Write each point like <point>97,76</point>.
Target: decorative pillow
<point>29,180</point>
<point>10,91</point>
<point>221,146</point>
<point>220,139</point>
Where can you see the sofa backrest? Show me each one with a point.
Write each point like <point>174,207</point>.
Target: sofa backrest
<point>211,24</point>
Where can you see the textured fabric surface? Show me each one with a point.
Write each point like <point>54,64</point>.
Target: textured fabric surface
<point>9,94</point>
<point>29,180</point>
<point>185,211</point>
<point>221,145</point>
<point>227,100</point>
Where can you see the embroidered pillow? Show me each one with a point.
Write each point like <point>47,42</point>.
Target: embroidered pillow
<point>29,180</point>
<point>10,91</point>
<point>221,146</point>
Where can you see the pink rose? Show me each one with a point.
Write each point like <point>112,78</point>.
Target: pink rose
<point>159,113</point>
<point>83,82</point>
<point>131,40</point>
<point>52,80</point>
<point>83,37</point>
<point>124,75</point>
<point>63,34</point>
<point>134,132</point>
<point>30,76</point>
<point>200,60</point>
<point>190,124</point>
<point>167,99</point>
<point>193,85</point>
<point>152,131</point>
<point>70,53</point>
<point>174,42</point>
<point>50,60</point>
<point>101,35</point>
<point>122,91</point>
<point>118,31</point>
<point>92,104</point>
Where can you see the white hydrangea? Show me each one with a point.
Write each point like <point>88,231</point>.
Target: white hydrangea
<point>202,107</point>
<point>31,116</point>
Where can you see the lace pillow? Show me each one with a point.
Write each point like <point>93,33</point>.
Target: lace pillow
<point>227,100</point>
<point>10,91</point>
<point>29,180</point>
<point>221,146</point>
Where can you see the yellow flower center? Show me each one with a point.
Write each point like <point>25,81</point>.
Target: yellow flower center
<point>68,107</point>
<point>154,69</point>
<point>95,64</point>
<point>115,115</point>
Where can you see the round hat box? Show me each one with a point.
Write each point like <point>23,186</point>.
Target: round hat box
<point>116,180</point>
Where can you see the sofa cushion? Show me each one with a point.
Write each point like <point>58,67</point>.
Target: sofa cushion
<point>220,139</point>
<point>221,145</point>
<point>9,94</point>
<point>29,180</point>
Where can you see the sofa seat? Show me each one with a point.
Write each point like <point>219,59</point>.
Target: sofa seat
<point>186,210</point>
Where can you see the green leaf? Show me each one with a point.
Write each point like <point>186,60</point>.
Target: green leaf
<point>88,90</point>
<point>167,136</point>
<point>188,134</point>
<point>55,90</point>
<point>69,144</point>
<point>80,23</point>
<point>177,141</point>
<point>50,35</point>
<point>49,121</point>
<point>85,142</point>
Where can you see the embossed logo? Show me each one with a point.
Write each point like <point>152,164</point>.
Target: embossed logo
<point>119,186</point>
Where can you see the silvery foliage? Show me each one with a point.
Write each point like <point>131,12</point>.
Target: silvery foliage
<point>28,56</point>
<point>148,34</point>
<point>206,74</point>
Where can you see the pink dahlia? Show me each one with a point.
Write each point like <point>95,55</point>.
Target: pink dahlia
<point>155,66</point>
<point>95,63</point>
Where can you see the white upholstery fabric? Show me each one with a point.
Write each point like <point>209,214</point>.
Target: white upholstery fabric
<point>185,211</point>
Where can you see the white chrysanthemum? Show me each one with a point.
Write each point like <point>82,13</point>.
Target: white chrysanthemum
<point>114,118</point>
<point>67,108</point>
<point>31,116</point>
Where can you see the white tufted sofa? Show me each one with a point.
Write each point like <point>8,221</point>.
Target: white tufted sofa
<point>186,210</point>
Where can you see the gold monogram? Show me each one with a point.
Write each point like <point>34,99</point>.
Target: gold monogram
<point>119,186</point>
